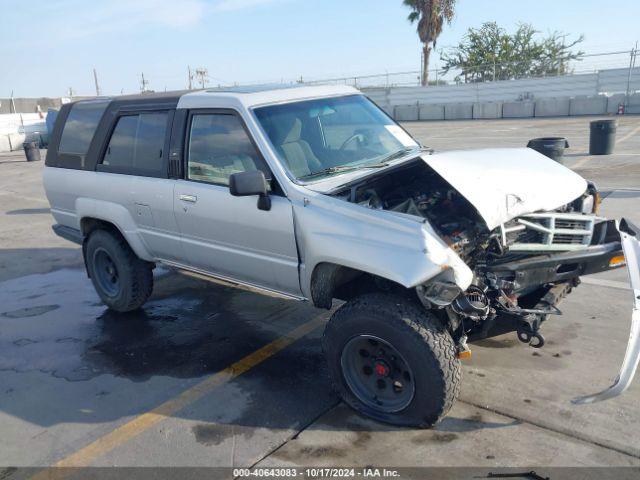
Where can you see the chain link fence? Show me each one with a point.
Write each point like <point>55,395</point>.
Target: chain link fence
<point>585,64</point>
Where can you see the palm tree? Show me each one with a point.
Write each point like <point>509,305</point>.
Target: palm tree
<point>430,15</point>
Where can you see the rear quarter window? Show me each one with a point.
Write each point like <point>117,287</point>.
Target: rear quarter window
<point>137,145</point>
<point>80,126</point>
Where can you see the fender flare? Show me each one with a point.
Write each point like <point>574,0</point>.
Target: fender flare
<point>118,216</point>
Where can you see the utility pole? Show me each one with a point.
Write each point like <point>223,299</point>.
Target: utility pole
<point>70,92</point>
<point>632,64</point>
<point>144,83</point>
<point>190,75</point>
<point>95,81</point>
<point>202,75</point>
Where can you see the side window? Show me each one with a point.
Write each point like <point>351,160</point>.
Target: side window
<point>80,126</point>
<point>137,143</point>
<point>218,147</point>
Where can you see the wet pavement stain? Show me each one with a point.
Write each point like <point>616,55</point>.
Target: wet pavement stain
<point>433,437</point>
<point>214,435</point>
<point>298,454</point>
<point>30,311</point>
<point>497,342</point>
<point>189,328</point>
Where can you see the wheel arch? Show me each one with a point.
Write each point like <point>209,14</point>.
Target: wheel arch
<point>332,280</point>
<point>93,214</point>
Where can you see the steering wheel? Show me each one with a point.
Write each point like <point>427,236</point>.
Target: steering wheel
<point>356,136</point>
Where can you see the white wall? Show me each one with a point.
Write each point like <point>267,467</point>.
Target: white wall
<point>603,82</point>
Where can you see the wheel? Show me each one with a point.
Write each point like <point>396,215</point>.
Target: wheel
<point>391,360</point>
<point>123,281</point>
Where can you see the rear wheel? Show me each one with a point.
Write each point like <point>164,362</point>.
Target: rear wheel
<point>123,281</point>
<point>391,360</point>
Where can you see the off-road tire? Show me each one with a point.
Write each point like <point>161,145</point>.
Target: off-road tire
<point>420,339</point>
<point>135,276</point>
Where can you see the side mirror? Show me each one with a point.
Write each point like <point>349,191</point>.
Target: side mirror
<point>245,184</point>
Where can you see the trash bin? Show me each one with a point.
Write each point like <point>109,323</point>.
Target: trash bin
<point>603,137</point>
<point>552,147</point>
<point>31,151</point>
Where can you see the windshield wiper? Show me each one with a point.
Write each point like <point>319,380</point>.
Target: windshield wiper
<point>399,153</point>
<point>329,170</point>
<point>344,168</point>
<point>384,162</point>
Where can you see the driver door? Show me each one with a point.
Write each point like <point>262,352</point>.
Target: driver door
<point>224,235</point>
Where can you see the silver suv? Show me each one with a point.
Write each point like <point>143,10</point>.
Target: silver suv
<point>315,194</point>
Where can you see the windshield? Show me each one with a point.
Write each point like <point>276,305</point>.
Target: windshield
<point>318,138</point>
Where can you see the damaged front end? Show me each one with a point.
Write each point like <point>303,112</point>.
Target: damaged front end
<point>521,266</point>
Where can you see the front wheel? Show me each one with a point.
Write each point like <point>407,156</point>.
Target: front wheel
<point>391,360</point>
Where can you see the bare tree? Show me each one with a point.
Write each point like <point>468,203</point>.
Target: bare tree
<point>430,16</point>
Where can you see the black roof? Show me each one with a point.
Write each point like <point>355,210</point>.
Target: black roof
<point>168,99</point>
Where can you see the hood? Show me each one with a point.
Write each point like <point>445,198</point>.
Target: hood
<point>508,182</point>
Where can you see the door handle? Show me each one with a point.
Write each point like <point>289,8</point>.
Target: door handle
<point>189,198</point>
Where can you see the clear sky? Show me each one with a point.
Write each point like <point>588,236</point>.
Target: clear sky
<point>47,46</point>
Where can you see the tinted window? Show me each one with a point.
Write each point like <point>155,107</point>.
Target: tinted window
<point>218,147</point>
<point>137,143</point>
<point>80,126</point>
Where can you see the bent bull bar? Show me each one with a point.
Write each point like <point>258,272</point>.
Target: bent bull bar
<point>630,235</point>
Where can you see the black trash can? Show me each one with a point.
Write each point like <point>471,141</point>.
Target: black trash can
<point>31,151</point>
<point>552,147</point>
<point>603,137</point>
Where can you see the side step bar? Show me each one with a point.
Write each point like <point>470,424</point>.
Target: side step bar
<point>68,233</point>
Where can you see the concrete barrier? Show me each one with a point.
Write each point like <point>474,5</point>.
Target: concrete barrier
<point>594,105</point>
<point>633,105</point>
<point>406,113</point>
<point>387,109</point>
<point>552,107</point>
<point>5,145</point>
<point>518,109</point>
<point>16,140</point>
<point>458,111</point>
<point>431,112</point>
<point>614,101</point>
<point>487,110</point>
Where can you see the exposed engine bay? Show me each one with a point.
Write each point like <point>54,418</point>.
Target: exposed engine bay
<point>522,269</point>
<point>417,190</point>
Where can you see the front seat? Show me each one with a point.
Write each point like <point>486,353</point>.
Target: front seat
<point>296,152</point>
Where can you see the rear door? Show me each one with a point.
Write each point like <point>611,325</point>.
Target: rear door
<point>137,153</point>
<point>225,235</point>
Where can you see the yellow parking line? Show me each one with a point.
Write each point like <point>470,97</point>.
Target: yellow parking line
<point>86,455</point>
<point>629,135</point>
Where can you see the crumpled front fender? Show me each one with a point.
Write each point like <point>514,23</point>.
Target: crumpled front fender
<point>630,235</point>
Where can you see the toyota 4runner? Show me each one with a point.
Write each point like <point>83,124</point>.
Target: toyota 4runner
<point>316,194</point>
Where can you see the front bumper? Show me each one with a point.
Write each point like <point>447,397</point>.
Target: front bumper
<point>630,236</point>
<point>621,239</point>
<point>558,267</point>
